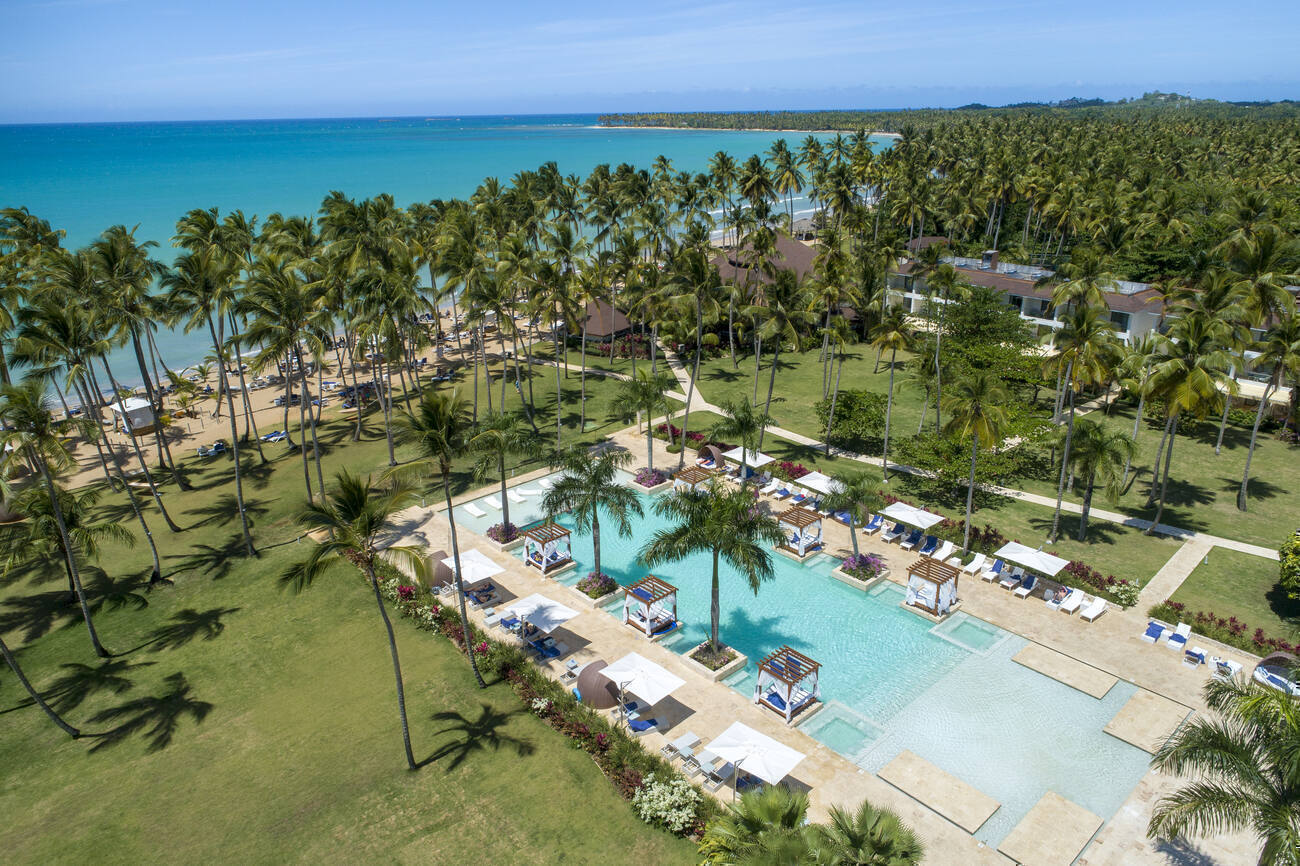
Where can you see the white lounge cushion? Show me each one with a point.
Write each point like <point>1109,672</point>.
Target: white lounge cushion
<point>975,564</point>
<point>1094,610</point>
<point>473,510</point>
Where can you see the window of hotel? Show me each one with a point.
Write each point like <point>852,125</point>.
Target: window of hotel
<point>1015,301</point>
<point>1119,320</point>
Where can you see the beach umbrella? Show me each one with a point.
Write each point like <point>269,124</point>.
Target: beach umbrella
<point>1035,560</point>
<point>639,676</point>
<point>542,613</point>
<point>759,754</point>
<point>596,689</point>
<point>911,515</point>
<point>474,566</point>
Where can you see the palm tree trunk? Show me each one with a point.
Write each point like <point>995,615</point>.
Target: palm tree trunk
<point>505,498</point>
<point>970,491</point>
<point>731,331</point>
<point>1254,432</point>
<point>234,445</point>
<point>1223,422</point>
<point>397,669</point>
<point>460,584</point>
<point>715,609</point>
<point>582,383</point>
<point>1065,463</point>
<point>144,463</point>
<point>830,421</point>
<point>1164,476</point>
<point>311,415</point>
<point>771,384</point>
<point>164,450</point>
<point>1128,461</point>
<point>57,509</point>
<point>35,695</point>
<point>250,420</point>
<point>386,401</point>
<point>1087,506</point>
<point>853,534</point>
<point>1155,469</point>
<point>695,374</point>
<point>758,357</point>
<point>649,439</point>
<point>889,411</point>
<point>595,538</point>
<point>302,428</point>
<point>558,393</point>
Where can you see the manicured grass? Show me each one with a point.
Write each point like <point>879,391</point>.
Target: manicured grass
<point>1203,487</point>
<point>1230,584</point>
<point>281,742</point>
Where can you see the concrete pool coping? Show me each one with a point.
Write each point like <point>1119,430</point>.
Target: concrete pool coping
<point>1053,833</point>
<point>1064,669</point>
<point>960,803</point>
<point>1147,720</point>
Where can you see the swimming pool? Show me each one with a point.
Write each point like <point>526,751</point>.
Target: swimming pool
<point>892,680</point>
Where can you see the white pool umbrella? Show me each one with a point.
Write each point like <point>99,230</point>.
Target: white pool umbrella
<point>474,566</point>
<point>637,675</point>
<point>1035,560</point>
<point>911,515</point>
<point>818,481</point>
<point>542,613</point>
<point>756,753</point>
<point>753,459</point>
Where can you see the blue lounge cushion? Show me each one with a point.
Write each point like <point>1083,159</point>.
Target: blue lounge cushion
<point>640,725</point>
<point>775,700</point>
<point>639,592</point>
<point>1154,629</point>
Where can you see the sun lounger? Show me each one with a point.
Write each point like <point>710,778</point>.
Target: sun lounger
<point>492,502</point>
<point>994,572</point>
<point>1224,669</point>
<point>509,623</point>
<point>1011,579</point>
<point>473,510</point>
<point>682,746</point>
<point>799,496</point>
<point>640,727</point>
<point>874,524</point>
<point>770,488</point>
<point>975,564</point>
<point>546,483</point>
<point>1194,657</point>
<point>1073,601</point>
<point>1094,610</point>
<point>911,541</point>
<point>930,546</point>
<point>515,497</point>
<point>1026,586</point>
<point>782,493</point>
<point>527,491</point>
<point>1178,640</point>
<point>894,533</point>
<point>1155,632</point>
<point>945,550</point>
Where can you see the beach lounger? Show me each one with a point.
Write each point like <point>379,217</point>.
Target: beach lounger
<point>1011,579</point>
<point>1155,632</point>
<point>975,564</point>
<point>473,510</point>
<point>994,572</point>
<point>945,550</point>
<point>640,727</point>
<point>1026,586</point>
<point>930,546</point>
<point>509,623</point>
<point>527,491</point>
<point>770,488</point>
<point>799,496</point>
<point>782,493</point>
<point>682,747</point>
<point>1073,601</point>
<point>1178,640</point>
<point>1194,657</point>
<point>492,502</point>
<point>515,497</point>
<point>546,483</point>
<point>1094,610</point>
<point>911,541</point>
<point>894,533</point>
<point>874,524</point>
<point>1224,669</point>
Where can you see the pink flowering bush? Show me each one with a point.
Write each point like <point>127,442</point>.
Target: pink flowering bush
<point>1229,630</point>
<point>650,477</point>
<point>406,593</point>
<point>864,566</point>
<point>595,585</point>
<point>503,532</point>
<point>790,471</point>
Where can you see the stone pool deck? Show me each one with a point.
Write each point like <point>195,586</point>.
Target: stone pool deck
<point>952,798</point>
<point>1064,669</point>
<point>1109,646</point>
<point>1051,834</point>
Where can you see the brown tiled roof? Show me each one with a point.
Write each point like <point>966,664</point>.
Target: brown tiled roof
<point>926,241</point>
<point>604,320</point>
<point>791,255</point>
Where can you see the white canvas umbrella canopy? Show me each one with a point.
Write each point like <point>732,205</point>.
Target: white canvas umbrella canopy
<point>542,613</point>
<point>474,566</point>
<point>756,753</point>
<point>1035,560</point>
<point>911,515</point>
<point>638,675</point>
<point>818,481</point>
<point>753,459</point>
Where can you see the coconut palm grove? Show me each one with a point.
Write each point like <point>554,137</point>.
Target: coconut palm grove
<point>922,487</point>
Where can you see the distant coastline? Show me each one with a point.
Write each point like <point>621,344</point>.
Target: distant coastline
<point>876,132</point>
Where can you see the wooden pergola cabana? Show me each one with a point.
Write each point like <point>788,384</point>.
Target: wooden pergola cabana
<point>787,683</point>
<point>547,547</point>
<point>805,531</point>
<point>932,586</point>
<point>693,477</point>
<point>650,607</point>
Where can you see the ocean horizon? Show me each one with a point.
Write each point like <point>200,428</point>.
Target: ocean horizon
<point>86,177</point>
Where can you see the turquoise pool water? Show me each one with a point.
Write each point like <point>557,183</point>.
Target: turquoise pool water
<point>892,680</point>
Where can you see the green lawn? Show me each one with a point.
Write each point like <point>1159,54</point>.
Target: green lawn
<point>266,722</point>
<point>1229,584</point>
<point>1203,487</point>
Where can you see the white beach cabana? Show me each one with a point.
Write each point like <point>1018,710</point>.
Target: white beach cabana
<point>787,683</point>
<point>1034,560</point>
<point>542,613</point>
<point>901,512</point>
<point>749,751</point>
<point>547,547</point>
<point>650,607</point>
<point>932,586</point>
<point>801,529</point>
<point>638,676</point>
<point>134,415</point>
<point>474,566</point>
<point>752,459</point>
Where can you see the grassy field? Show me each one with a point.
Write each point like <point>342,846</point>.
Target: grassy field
<point>1229,583</point>
<point>246,724</point>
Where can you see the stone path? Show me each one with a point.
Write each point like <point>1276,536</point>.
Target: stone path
<point>1179,567</point>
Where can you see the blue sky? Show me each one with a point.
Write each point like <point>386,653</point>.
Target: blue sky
<point>95,60</point>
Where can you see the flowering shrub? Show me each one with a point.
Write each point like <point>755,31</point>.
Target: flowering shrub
<point>650,477</point>
<point>790,471</point>
<point>984,540</point>
<point>1231,630</point>
<point>406,593</point>
<point>481,648</point>
<point>503,532</point>
<point>595,585</point>
<point>705,655</point>
<point>864,566</point>
<point>673,433</point>
<point>670,803</point>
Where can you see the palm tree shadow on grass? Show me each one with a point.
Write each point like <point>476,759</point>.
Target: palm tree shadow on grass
<point>108,593</point>
<point>155,717</point>
<point>186,626</point>
<point>725,374</point>
<point>1260,488</point>
<point>215,562</point>
<point>1099,531</point>
<point>39,613</point>
<point>481,734</point>
<point>80,682</point>
<point>225,508</point>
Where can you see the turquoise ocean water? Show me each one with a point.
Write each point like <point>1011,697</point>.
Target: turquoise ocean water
<point>86,177</point>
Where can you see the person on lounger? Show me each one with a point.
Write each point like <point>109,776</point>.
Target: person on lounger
<point>1061,593</point>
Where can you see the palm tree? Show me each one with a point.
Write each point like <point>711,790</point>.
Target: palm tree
<point>494,438</point>
<point>766,826</point>
<point>723,522</point>
<point>697,284</point>
<point>1099,455</point>
<point>588,485</point>
<point>37,538</point>
<point>439,427</point>
<point>781,316</point>
<point>741,420</point>
<point>856,494</point>
<point>1280,349</point>
<point>892,333</point>
<point>977,406</point>
<point>356,521</point>
<point>646,394</point>
<point>35,695</point>
<point>866,837</point>
<point>28,431</point>
<point>1134,369</point>
<point>1243,763</point>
